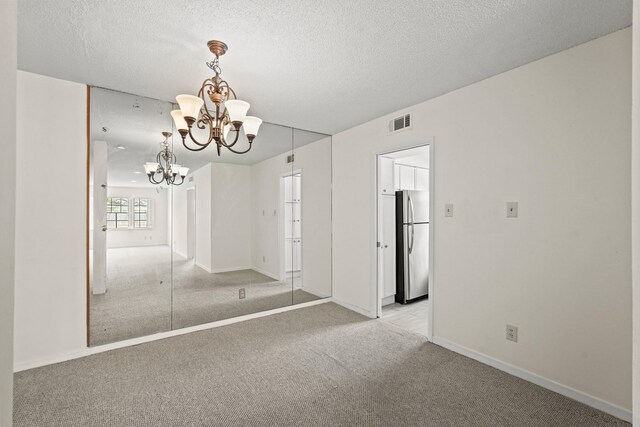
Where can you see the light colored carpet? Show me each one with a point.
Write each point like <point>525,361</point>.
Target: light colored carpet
<point>148,293</point>
<point>317,366</point>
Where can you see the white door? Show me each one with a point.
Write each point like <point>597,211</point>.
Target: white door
<point>99,285</point>
<point>288,255</point>
<point>388,246</point>
<point>297,255</point>
<point>385,176</point>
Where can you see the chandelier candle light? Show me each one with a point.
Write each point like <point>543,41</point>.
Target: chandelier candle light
<point>229,114</point>
<point>165,166</point>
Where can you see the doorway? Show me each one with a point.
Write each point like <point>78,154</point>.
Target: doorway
<point>404,256</point>
<point>291,236</point>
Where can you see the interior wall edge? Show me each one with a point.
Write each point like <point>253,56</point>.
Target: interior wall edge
<point>8,76</point>
<point>635,215</point>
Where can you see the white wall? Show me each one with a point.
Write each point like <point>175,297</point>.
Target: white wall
<point>230,217</point>
<point>314,162</point>
<point>554,136</point>
<point>636,211</point>
<point>8,37</point>
<point>202,183</point>
<point>50,295</point>
<point>158,234</point>
<point>179,217</point>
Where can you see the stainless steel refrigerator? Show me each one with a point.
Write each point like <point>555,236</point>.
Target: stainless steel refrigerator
<point>412,245</point>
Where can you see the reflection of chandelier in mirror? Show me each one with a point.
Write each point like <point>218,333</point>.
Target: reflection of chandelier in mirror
<point>230,113</point>
<point>165,166</point>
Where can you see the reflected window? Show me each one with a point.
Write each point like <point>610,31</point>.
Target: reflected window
<point>141,213</point>
<point>117,212</point>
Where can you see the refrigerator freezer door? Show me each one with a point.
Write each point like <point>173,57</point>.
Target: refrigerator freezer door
<point>416,273</point>
<point>416,206</point>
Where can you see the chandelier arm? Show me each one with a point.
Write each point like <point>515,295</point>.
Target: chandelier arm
<point>201,95</point>
<point>174,181</point>
<point>202,146</point>
<point>153,180</point>
<point>224,143</point>
<point>240,152</point>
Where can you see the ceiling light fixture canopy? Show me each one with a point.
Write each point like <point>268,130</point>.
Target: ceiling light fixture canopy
<point>165,166</point>
<point>216,109</point>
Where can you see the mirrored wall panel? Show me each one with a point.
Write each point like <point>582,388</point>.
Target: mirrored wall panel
<point>129,221</point>
<point>229,234</point>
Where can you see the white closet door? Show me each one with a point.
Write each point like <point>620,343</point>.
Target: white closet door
<point>288,255</point>
<point>297,230</point>
<point>388,245</point>
<point>297,255</point>
<point>385,184</point>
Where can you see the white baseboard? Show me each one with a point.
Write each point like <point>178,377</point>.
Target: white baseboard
<point>88,351</point>
<point>587,399</point>
<point>389,300</point>
<point>207,269</point>
<point>315,292</point>
<point>228,269</point>
<point>352,307</point>
<point>266,273</point>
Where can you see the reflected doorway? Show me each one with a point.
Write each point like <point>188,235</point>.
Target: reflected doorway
<point>292,237</point>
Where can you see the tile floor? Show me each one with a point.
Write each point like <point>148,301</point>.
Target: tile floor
<point>412,317</point>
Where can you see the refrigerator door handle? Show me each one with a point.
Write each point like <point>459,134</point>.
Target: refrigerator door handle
<point>411,243</point>
<point>410,209</point>
<point>411,222</point>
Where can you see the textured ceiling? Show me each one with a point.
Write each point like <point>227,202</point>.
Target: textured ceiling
<point>318,65</point>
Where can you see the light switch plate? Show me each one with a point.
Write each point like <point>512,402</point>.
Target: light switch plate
<point>512,209</point>
<point>448,210</point>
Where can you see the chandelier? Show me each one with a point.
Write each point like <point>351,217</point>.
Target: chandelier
<point>215,110</point>
<point>165,166</point>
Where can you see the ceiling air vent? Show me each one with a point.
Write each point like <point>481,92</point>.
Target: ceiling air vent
<point>400,123</point>
<point>289,159</point>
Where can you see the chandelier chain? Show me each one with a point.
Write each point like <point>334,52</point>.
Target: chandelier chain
<point>215,66</point>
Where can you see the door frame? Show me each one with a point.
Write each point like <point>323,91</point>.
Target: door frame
<point>375,305</point>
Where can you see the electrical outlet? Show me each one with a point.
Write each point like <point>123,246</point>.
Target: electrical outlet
<point>242,294</point>
<point>448,210</point>
<point>512,209</point>
<point>512,333</point>
<point>264,258</point>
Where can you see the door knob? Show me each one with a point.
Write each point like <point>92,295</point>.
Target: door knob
<point>104,228</point>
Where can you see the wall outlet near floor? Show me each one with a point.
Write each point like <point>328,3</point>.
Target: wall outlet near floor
<point>242,293</point>
<point>512,333</point>
<point>264,258</point>
<point>448,210</point>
